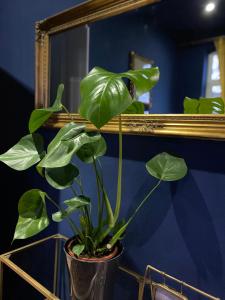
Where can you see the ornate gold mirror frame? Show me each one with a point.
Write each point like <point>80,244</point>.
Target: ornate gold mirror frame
<point>179,125</point>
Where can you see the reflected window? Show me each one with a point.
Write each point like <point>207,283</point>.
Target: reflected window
<point>213,87</point>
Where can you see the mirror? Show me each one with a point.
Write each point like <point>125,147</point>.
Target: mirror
<point>177,36</point>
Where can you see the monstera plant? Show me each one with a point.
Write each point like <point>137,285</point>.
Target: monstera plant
<point>104,95</point>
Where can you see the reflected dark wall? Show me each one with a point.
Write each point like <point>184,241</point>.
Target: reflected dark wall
<point>183,70</point>
<point>181,230</point>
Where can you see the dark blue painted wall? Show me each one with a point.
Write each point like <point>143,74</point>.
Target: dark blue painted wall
<point>182,228</point>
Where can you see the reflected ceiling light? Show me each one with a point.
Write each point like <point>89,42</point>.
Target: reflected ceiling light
<point>210,7</point>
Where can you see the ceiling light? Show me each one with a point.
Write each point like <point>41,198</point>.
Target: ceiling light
<point>210,7</point>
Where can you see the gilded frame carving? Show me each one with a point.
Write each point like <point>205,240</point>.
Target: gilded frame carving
<point>174,125</point>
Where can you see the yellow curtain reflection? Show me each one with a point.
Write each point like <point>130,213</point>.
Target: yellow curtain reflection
<point>220,47</point>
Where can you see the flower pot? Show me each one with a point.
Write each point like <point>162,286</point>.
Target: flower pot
<point>92,278</point>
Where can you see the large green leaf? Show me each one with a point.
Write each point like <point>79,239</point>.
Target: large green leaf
<point>27,152</point>
<point>61,178</point>
<point>91,151</point>
<point>211,106</point>
<point>66,133</point>
<point>57,147</point>
<point>32,214</point>
<point>41,115</point>
<point>61,154</point>
<point>167,167</point>
<point>143,79</point>
<point>203,106</point>
<point>103,96</point>
<point>72,205</point>
<point>136,107</point>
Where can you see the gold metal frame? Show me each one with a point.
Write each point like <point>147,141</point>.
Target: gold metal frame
<point>5,260</point>
<point>147,280</point>
<point>174,125</point>
<point>141,280</point>
<point>156,286</point>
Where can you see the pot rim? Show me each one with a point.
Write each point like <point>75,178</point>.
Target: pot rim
<point>118,249</point>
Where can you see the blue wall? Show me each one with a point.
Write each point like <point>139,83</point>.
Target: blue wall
<point>182,228</point>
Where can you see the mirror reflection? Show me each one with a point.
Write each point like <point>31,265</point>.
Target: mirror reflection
<point>185,39</point>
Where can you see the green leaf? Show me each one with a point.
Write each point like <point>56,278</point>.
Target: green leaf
<point>31,204</point>
<point>77,202</point>
<point>25,153</point>
<point>136,107</point>
<point>40,116</point>
<point>191,106</point>
<point>32,214</point>
<point>78,249</point>
<point>57,147</point>
<point>143,79</point>
<point>204,106</point>
<point>211,106</point>
<point>103,96</point>
<point>92,150</point>
<point>60,153</point>
<point>59,216</point>
<point>167,167</point>
<point>72,205</point>
<point>66,133</point>
<point>61,178</point>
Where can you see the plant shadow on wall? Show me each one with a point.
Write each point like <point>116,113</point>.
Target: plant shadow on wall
<point>13,115</point>
<point>104,95</point>
<point>198,230</point>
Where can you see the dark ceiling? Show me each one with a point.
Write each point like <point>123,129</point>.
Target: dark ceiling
<point>186,20</point>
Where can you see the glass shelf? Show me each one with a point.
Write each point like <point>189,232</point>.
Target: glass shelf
<point>39,271</point>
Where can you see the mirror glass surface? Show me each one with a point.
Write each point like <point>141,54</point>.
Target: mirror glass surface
<point>177,36</point>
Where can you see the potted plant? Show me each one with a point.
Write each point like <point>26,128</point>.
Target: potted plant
<point>95,247</point>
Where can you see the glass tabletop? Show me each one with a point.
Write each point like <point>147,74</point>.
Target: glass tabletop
<point>39,271</point>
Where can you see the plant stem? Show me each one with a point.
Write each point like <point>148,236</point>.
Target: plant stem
<point>78,181</point>
<point>68,113</point>
<point>143,202</point>
<point>99,194</point>
<point>116,237</point>
<point>73,190</point>
<point>101,180</point>
<point>84,210</point>
<point>106,202</point>
<point>119,180</point>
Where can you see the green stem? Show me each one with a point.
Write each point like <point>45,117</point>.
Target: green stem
<point>68,113</point>
<point>79,183</point>
<point>99,194</point>
<point>101,178</point>
<point>119,182</point>
<point>123,228</point>
<point>73,190</point>
<point>143,202</point>
<point>106,202</point>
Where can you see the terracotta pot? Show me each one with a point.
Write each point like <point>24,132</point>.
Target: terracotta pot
<point>92,278</point>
